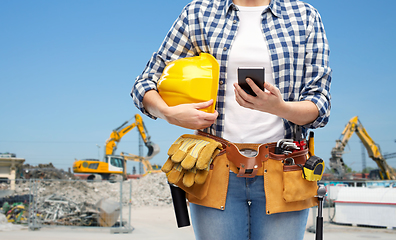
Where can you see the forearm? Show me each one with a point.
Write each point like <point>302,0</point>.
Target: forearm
<point>300,113</point>
<point>154,104</point>
<point>183,115</point>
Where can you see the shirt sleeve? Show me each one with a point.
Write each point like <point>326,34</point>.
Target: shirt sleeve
<point>175,45</point>
<point>317,78</point>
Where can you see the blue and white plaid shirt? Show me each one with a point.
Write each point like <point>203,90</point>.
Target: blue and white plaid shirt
<point>296,40</point>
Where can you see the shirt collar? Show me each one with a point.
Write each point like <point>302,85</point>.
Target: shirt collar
<point>229,6</point>
<point>275,6</point>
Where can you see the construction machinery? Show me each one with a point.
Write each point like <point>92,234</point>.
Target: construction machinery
<point>113,167</point>
<point>374,152</point>
<point>147,166</point>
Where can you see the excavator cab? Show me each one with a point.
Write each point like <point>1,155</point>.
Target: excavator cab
<point>116,163</point>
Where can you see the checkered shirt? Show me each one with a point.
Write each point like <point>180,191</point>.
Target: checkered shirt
<point>296,40</point>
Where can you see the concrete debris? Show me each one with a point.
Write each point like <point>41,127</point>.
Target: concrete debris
<point>85,203</point>
<point>58,210</point>
<point>45,171</point>
<point>150,190</point>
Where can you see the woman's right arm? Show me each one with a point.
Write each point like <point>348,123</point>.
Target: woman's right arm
<point>183,115</point>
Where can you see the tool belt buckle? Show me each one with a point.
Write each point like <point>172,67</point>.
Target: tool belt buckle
<point>247,170</point>
<point>247,164</point>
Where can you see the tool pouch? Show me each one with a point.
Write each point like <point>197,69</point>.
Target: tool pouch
<point>295,187</point>
<point>285,188</point>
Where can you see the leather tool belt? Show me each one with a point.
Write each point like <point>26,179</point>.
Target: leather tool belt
<point>248,166</point>
<point>285,188</point>
<point>242,165</point>
<point>251,166</point>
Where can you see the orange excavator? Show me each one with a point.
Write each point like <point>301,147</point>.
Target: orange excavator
<point>113,167</point>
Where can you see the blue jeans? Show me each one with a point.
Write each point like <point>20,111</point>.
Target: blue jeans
<point>245,217</point>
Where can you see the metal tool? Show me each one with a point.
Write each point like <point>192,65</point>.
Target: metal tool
<point>289,161</point>
<point>319,218</point>
<point>284,146</point>
<point>298,137</point>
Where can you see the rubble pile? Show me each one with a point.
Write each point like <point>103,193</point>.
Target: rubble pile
<point>74,202</point>
<point>151,190</point>
<point>45,171</point>
<point>56,210</point>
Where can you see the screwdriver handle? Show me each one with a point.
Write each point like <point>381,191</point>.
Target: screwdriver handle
<point>311,143</point>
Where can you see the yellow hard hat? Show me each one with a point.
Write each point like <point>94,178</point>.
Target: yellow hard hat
<point>190,80</point>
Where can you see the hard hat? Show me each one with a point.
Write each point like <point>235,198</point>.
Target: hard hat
<point>190,80</point>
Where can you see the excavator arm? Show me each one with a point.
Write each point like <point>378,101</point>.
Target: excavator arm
<point>336,161</point>
<point>113,165</point>
<point>373,150</point>
<point>118,133</point>
<point>147,167</point>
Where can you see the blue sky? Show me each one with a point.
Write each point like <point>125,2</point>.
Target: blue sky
<point>67,68</point>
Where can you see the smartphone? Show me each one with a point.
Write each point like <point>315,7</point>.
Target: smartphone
<point>255,73</point>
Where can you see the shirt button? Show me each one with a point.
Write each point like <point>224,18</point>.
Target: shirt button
<point>225,48</point>
<point>221,82</point>
<point>235,21</point>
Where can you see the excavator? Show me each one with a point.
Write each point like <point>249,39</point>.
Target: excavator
<point>113,167</point>
<point>373,150</point>
<point>147,167</point>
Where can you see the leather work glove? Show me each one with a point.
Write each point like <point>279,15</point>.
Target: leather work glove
<point>190,157</point>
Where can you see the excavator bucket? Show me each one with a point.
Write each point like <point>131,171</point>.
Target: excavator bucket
<point>153,149</point>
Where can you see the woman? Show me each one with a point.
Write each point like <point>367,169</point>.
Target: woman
<point>287,38</point>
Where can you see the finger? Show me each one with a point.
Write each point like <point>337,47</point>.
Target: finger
<point>271,88</point>
<point>238,97</point>
<point>238,90</point>
<point>241,96</point>
<point>203,124</point>
<point>253,86</point>
<point>241,101</point>
<point>202,105</point>
<point>211,116</point>
<point>206,119</point>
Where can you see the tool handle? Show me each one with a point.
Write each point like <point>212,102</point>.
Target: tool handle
<point>180,206</point>
<point>319,218</point>
<point>311,144</point>
<point>319,228</point>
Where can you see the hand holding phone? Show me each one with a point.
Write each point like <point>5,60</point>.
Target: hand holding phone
<point>255,73</point>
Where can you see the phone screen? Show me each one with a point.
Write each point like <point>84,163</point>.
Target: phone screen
<point>255,73</point>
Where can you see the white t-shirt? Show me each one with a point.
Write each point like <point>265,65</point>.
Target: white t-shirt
<point>249,49</point>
